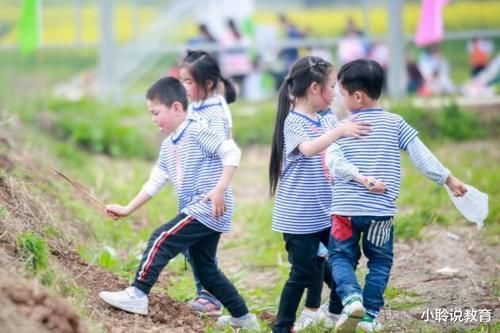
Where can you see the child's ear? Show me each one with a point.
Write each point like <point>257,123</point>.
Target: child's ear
<point>315,87</point>
<point>359,96</point>
<point>178,108</point>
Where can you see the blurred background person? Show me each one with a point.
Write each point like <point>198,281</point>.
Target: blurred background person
<point>480,51</point>
<point>234,59</point>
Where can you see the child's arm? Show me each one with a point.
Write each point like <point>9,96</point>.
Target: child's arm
<point>157,179</point>
<point>230,155</point>
<point>349,128</point>
<point>429,166</point>
<point>116,211</point>
<point>343,169</point>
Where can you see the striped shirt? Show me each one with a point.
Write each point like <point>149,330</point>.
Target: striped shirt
<point>189,159</point>
<point>213,112</point>
<point>329,117</point>
<point>376,155</point>
<point>304,193</point>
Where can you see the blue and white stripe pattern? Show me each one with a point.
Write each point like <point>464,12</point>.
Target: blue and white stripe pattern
<point>377,154</point>
<point>379,232</point>
<point>213,112</point>
<point>190,159</point>
<point>329,117</point>
<point>304,193</point>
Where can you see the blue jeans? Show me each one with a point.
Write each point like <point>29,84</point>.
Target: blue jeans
<point>376,233</point>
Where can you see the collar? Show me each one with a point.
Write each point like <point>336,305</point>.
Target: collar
<point>315,122</point>
<point>179,131</point>
<point>211,101</point>
<point>366,110</point>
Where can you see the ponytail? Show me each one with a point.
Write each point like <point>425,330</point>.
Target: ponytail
<point>229,90</point>
<point>277,146</point>
<point>302,74</point>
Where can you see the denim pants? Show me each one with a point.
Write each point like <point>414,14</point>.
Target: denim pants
<point>376,235</point>
<point>306,272</point>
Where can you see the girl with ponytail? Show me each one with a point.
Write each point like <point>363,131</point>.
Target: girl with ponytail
<point>201,76</point>
<point>303,197</point>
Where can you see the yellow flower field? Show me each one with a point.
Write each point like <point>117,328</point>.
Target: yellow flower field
<point>59,28</point>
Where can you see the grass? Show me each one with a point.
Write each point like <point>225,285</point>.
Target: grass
<point>452,133</point>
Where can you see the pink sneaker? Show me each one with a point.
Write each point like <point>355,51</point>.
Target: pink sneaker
<point>206,305</point>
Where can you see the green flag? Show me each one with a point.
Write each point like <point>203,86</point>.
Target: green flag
<point>28,27</point>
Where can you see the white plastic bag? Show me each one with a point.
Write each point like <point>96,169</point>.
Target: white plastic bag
<point>473,205</point>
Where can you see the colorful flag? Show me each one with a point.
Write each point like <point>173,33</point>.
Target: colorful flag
<point>430,26</point>
<point>28,27</point>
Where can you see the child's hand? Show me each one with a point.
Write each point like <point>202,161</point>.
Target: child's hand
<point>117,211</point>
<point>216,196</point>
<point>355,129</point>
<point>371,183</point>
<point>456,186</point>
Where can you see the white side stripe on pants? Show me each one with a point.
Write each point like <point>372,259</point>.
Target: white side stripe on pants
<point>159,239</point>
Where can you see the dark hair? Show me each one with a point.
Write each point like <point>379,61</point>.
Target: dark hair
<point>362,74</point>
<point>167,91</point>
<point>234,29</point>
<point>204,30</point>
<point>302,74</point>
<point>203,68</point>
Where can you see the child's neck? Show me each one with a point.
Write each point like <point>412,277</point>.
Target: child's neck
<point>210,95</point>
<point>373,104</point>
<point>179,125</point>
<point>305,108</point>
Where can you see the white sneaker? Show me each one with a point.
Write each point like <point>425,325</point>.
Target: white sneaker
<point>126,300</point>
<point>351,315</point>
<point>370,326</point>
<point>306,319</point>
<point>249,322</point>
<point>327,318</point>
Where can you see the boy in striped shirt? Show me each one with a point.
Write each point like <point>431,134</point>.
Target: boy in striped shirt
<point>358,212</point>
<point>197,161</point>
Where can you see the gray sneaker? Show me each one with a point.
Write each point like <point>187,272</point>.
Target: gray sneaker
<point>249,322</point>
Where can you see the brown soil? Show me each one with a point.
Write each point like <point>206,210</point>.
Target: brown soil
<point>37,305</point>
<point>468,282</point>
<point>26,308</point>
<point>165,314</point>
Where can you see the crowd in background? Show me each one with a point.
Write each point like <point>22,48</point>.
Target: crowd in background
<point>428,70</point>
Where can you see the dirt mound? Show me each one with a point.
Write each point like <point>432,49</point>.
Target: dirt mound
<point>451,269</point>
<point>51,312</point>
<point>165,314</point>
<point>28,208</point>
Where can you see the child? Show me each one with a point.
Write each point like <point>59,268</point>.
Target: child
<point>201,76</point>
<point>358,214</point>
<point>301,210</point>
<point>193,158</point>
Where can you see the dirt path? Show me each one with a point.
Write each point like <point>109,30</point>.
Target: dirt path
<point>452,269</point>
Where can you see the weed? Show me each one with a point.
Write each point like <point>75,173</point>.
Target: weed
<point>35,251</point>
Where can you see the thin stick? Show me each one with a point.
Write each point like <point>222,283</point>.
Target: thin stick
<point>78,187</point>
